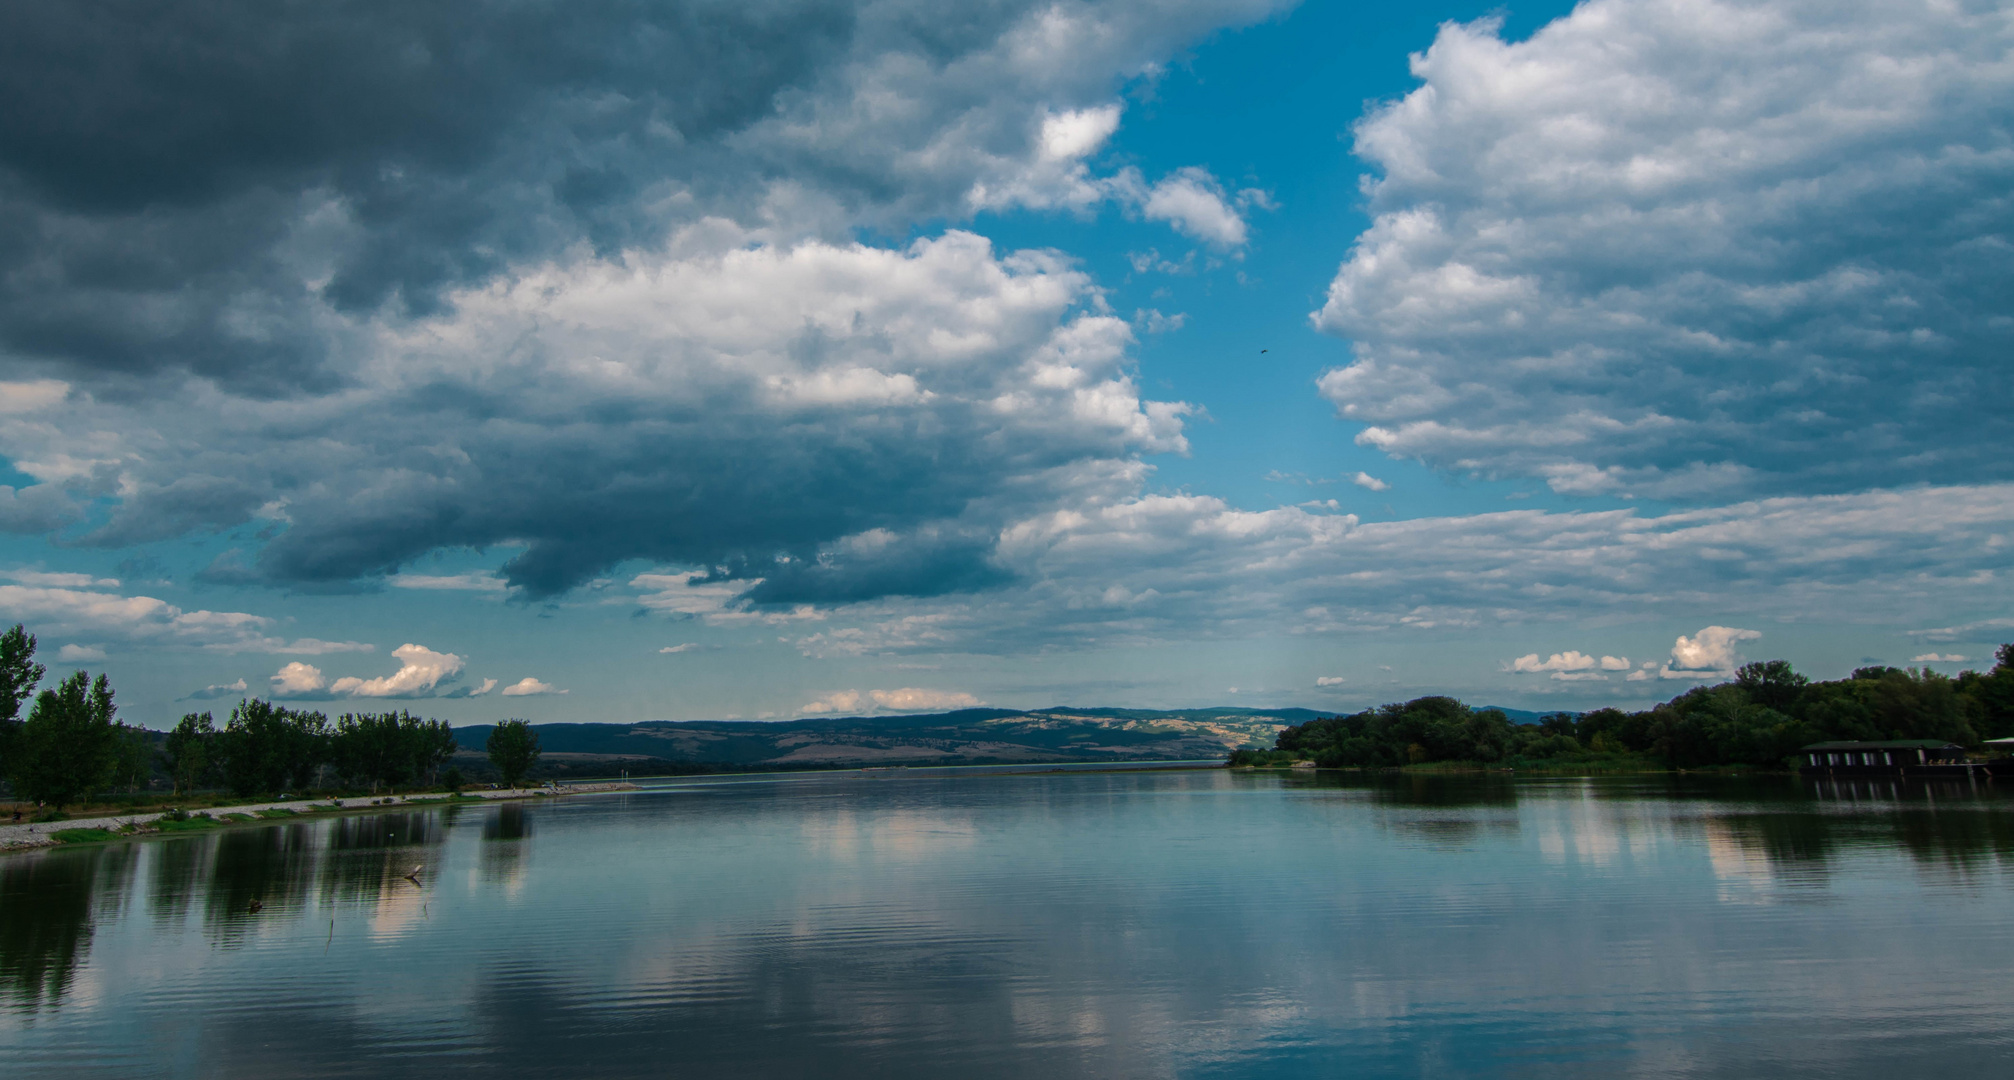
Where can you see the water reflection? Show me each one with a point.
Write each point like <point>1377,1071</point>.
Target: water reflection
<point>258,873</point>
<point>48,901</point>
<point>506,830</point>
<point>1078,926</point>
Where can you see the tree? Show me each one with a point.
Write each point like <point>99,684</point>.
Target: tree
<point>431,743</point>
<point>1772,684</point>
<point>390,748</point>
<point>268,748</point>
<point>186,751</point>
<point>69,744</point>
<point>132,758</point>
<point>513,748</point>
<point>19,674</point>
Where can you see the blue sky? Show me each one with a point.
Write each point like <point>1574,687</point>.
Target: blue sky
<point>695,361</point>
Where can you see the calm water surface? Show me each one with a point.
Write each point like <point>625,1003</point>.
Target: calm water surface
<point>1110,924</point>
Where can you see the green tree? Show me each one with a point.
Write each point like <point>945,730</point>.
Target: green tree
<point>67,748</point>
<point>371,748</point>
<point>266,748</point>
<point>19,674</point>
<point>1772,684</point>
<point>431,743</point>
<point>513,749</point>
<point>186,751</point>
<point>132,758</point>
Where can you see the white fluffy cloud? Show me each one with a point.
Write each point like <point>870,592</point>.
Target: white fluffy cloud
<point>530,687</point>
<point>1692,248</point>
<point>907,699</point>
<point>74,653</point>
<point>420,671</point>
<point>1712,653</point>
<point>1570,666</point>
<point>1330,680</point>
<point>297,679</point>
<point>1939,658</point>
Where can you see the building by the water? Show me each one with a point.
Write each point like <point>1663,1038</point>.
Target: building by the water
<point>1895,757</point>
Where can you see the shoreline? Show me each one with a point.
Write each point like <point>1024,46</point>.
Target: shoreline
<point>31,836</point>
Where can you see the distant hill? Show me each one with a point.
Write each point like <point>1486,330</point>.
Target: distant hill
<point>965,737</point>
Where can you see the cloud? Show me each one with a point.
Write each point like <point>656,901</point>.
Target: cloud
<point>420,670</point>
<point>1330,680</point>
<point>907,699</point>
<point>1691,249</point>
<point>1180,566</point>
<point>478,690</point>
<point>218,690</point>
<point>79,609</point>
<point>687,646</point>
<point>1939,658</point>
<point>74,653</point>
<point>58,580</point>
<point>914,699</point>
<point>194,200</point>
<point>1570,666</point>
<point>1366,480</point>
<point>1710,653</point>
<point>530,687</point>
<point>1983,630</point>
<point>475,581</point>
<point>296,679</point>
<point>839,421</point>
<point>836,702</point>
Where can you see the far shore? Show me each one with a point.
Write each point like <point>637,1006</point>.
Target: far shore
<point>41,834</point>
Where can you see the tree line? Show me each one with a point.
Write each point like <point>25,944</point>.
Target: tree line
<point>1760,718</point>
<point>71,744</point>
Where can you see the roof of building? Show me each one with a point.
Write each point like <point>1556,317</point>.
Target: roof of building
<point>1891,744</point>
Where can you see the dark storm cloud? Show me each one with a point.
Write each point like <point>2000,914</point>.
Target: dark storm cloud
<point>184,186</point>
<point>869,416</point>
<point>175,176</point>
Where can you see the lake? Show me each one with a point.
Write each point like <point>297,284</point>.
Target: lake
<point>1103,924</point>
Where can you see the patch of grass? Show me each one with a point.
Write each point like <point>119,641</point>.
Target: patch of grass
<point>236,817</point>
<point>192,823</point>
<point>83,836</point>
<point>276,813</point>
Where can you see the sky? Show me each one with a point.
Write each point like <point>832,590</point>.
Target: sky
<point>619,361</point>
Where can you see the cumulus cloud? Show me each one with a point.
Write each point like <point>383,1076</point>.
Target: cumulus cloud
<point>1570,666</point>
<point>530,687</point>
<point>1709,654</point>
<point>1939,658</point>
<point>76,654</point>
<point>296,679</point>
<point>839,421</point>
<point>420,671</point>
<point>1366,480</point>
<point>1330,680</point>
<point>218,690</point>
<point>1691,249</point>
<point>435,145</point>
<point>686,646</point>
<point>907,699</point>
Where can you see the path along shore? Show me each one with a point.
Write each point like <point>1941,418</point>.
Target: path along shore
<point>42,833</point>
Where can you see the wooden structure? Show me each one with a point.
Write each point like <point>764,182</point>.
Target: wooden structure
<point>1895,757</point>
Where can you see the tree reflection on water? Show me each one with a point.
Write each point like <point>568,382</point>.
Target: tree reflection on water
<point>48,901</point>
